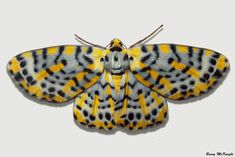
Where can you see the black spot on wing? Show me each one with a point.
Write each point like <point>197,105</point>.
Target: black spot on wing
<point>19,57</point>
<point>78,50</point>
<point>88,59</point>
<point>35,58</point>
<point>44,53</point>
<point>61,49</point>
<point>173,49</point>
<point>23,64</point>
<point>75,81</point>
<point>143,49</point>
<point>156,50</point>
<point>49,71</point>
<point>18,77</point>
<point>173,91</point>
<point>218,74</point>
<point>186,69</point>
<point>212,61</point>
<point>145,58</point>
<point>89,50</point>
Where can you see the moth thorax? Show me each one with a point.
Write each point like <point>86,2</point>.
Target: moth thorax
<point>116,63</point>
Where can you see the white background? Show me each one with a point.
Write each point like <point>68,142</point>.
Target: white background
<point>30,129</point>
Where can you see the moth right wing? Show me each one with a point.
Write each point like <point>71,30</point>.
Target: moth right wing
<point>178,72</point>
<point>57,74</point>
<point>138,106</point>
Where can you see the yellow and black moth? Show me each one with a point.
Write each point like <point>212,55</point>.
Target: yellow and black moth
<point>115,86</point>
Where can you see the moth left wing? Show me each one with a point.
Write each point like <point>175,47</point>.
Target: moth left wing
<point>95,107</point>
<point>57,74</point>
<point>178,72</point>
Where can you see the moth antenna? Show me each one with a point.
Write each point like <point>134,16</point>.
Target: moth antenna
<point>106,47</point>
<point>151,35</point>
<point>124,46</point>
<point>82,41</point>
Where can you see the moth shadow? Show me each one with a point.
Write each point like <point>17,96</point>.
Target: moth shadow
<point>204,95</point>
<point>41,102</point>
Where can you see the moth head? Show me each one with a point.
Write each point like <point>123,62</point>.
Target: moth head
<point>116,45</point>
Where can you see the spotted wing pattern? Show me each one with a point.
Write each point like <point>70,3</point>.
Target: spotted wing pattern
<point>95,107</point>
<point>57,74</point>
<point>178,72</point>
<point>139,107</point>
<point>127,104</point>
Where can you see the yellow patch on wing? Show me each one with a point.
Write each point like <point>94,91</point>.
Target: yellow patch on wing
<point>92,66</point>
<point>32,89</point>
<point>176,96</point>
<point>80,75</point>
<point>57,67</point>
<point>35,90</point>
<point>69,50</point>
<point>196,91</point>
<point>24,84</point>
<point>68,86</point>
<point>15,66</point>
<point>182,48</point>
<point>92,81</point>
<point>167,84</point>
<point>80,102</point>
<point>71,83</point>
<point>208,53</point>
<point>142,80</point>
<point>108,91</point>
<point>27,54</point>
<point>95,105</point>
<point>39,52</point>
<point>54,68</point>
<point>201,86</point>
<point>41,75</point>
<point>211,81</point>
<point>204,86</point>
<point>52,50</point>
<point>142,104</point>
<point>98,53</point>
<point>154,74</point>
<point>135,52</point>
<point>156,98</point>
<point>127,92</point>
<point>84,49</point>
<point>164,48</point>
<point>80,117</point>
<point>221,63</point>
<point>149,48</point>
<point>180,66</point>
<point>125,51</point>
<point>161,114</point>
<point>194,73</point>
<point>195,49</point>
<point>58,98</point>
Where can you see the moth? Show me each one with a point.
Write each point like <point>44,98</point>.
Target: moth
<point>116,86</point>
